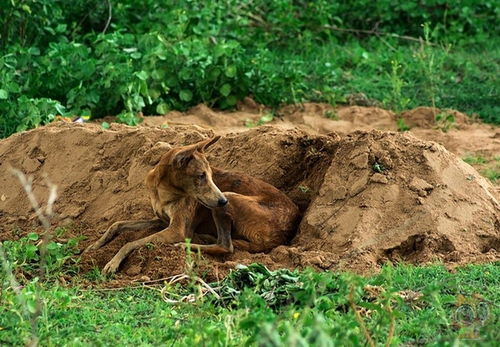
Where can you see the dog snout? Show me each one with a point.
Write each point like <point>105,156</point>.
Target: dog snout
<point>222,202</point>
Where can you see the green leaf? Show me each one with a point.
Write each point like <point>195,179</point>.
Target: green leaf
<point>231,100</point>
<point>225,89</point>
<point>33,236</point>
<point>105,125</point>
<point>136,55</point>
<point>143,75</point>
<point>52,246</point>
<point>34,51</point>
<point>267,118</point>
<point>31,305</point>
<point>230,71</point>
<point>162,108</point>
<point>26,8</point>
<point>4,94</point>
<point>186,95</point>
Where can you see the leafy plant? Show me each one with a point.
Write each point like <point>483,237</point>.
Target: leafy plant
<point>396,100</point>
<point>331,115</point>
<point>402,126</point>
<point>268,117</point>
<point>444,121</point>
<point>25,255</point>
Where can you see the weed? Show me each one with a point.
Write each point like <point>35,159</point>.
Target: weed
<point>444,121</point>
<point>377,167</point>
<point>25,255</point>
<point>396,100</point>
<point>332,115</point>
<point>304,189</point>
<point>477,159</point>
<point>268,117</point>
<point>493,174</point>
<point>402,126</point>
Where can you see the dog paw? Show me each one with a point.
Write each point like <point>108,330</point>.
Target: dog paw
<point>111,267</point>
<point>92,247</point>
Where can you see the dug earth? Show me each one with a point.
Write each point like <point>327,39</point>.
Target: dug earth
<point>366,197</point>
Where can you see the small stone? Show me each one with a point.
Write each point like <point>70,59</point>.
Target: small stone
<point>379,178</point>
<point>420,186</point>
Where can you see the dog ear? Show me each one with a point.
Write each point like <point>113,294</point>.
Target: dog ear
<point>202,146</point>
<point>182,158</point>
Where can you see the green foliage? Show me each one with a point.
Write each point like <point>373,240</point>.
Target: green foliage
<point>402,126</point>
<point>444,121</point>
<point>72,58</point>
<point>268,117</point>
<point>32,254</point>
<point>429,306</point>
<point>493,174</point>
<point>396,100</point>
<point>470,159</point>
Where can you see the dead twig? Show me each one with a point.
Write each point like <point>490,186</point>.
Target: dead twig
<point>359,319</point>
<point>110,15</point>
<point>204,289</point>
<point>378,33</point>
<point>44,216</point>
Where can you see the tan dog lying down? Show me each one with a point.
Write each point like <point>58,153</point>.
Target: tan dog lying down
<point>186,196</point>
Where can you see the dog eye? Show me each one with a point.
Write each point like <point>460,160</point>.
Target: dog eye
<point>202,176</point>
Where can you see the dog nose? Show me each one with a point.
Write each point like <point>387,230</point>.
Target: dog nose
<point>222,202</point>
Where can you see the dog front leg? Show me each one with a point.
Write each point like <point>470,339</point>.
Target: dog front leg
<point>172,234</point>
<point>127,225</point>
<point>224,243</point>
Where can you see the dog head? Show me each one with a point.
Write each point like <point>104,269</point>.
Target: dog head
<point>187,170</point>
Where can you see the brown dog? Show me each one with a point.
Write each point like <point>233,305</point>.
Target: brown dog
<point>186,197</point>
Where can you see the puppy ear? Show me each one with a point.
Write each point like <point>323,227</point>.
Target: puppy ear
<point>202,146</point>
<point>183,158</point>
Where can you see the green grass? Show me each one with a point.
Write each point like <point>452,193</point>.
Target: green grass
<point>475,159</point>
<point>488,167</point>
<point>425,305</point>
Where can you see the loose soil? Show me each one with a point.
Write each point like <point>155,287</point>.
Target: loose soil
<point>368,194</point>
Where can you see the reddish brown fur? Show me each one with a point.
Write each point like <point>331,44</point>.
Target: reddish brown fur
<point>186,197</point>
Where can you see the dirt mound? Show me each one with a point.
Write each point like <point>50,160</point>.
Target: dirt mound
<point>428,117</point>
<point>393,197</point>
<point>366,197</point>
<point>459,134</point>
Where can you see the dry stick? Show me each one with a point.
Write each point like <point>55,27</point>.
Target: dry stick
<point>392,327</point>
<point>44,217</point>
<point>110,15</point>
<point>378,33</point>
<point>359,319</point>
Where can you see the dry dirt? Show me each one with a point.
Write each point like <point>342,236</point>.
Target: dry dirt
<point>368,194</point>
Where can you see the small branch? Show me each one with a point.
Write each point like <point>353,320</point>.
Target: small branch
<point>110,15</point>
<point>359,319</point>
<point>378,33</point>
<point>392,327</point>
<point>27,183</point>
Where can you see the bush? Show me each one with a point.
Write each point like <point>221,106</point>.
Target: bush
<point>73,58</point>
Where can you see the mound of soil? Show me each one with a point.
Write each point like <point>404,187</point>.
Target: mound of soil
<point>367,197</point>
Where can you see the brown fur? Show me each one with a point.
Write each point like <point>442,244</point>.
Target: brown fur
<point>186,197</point>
